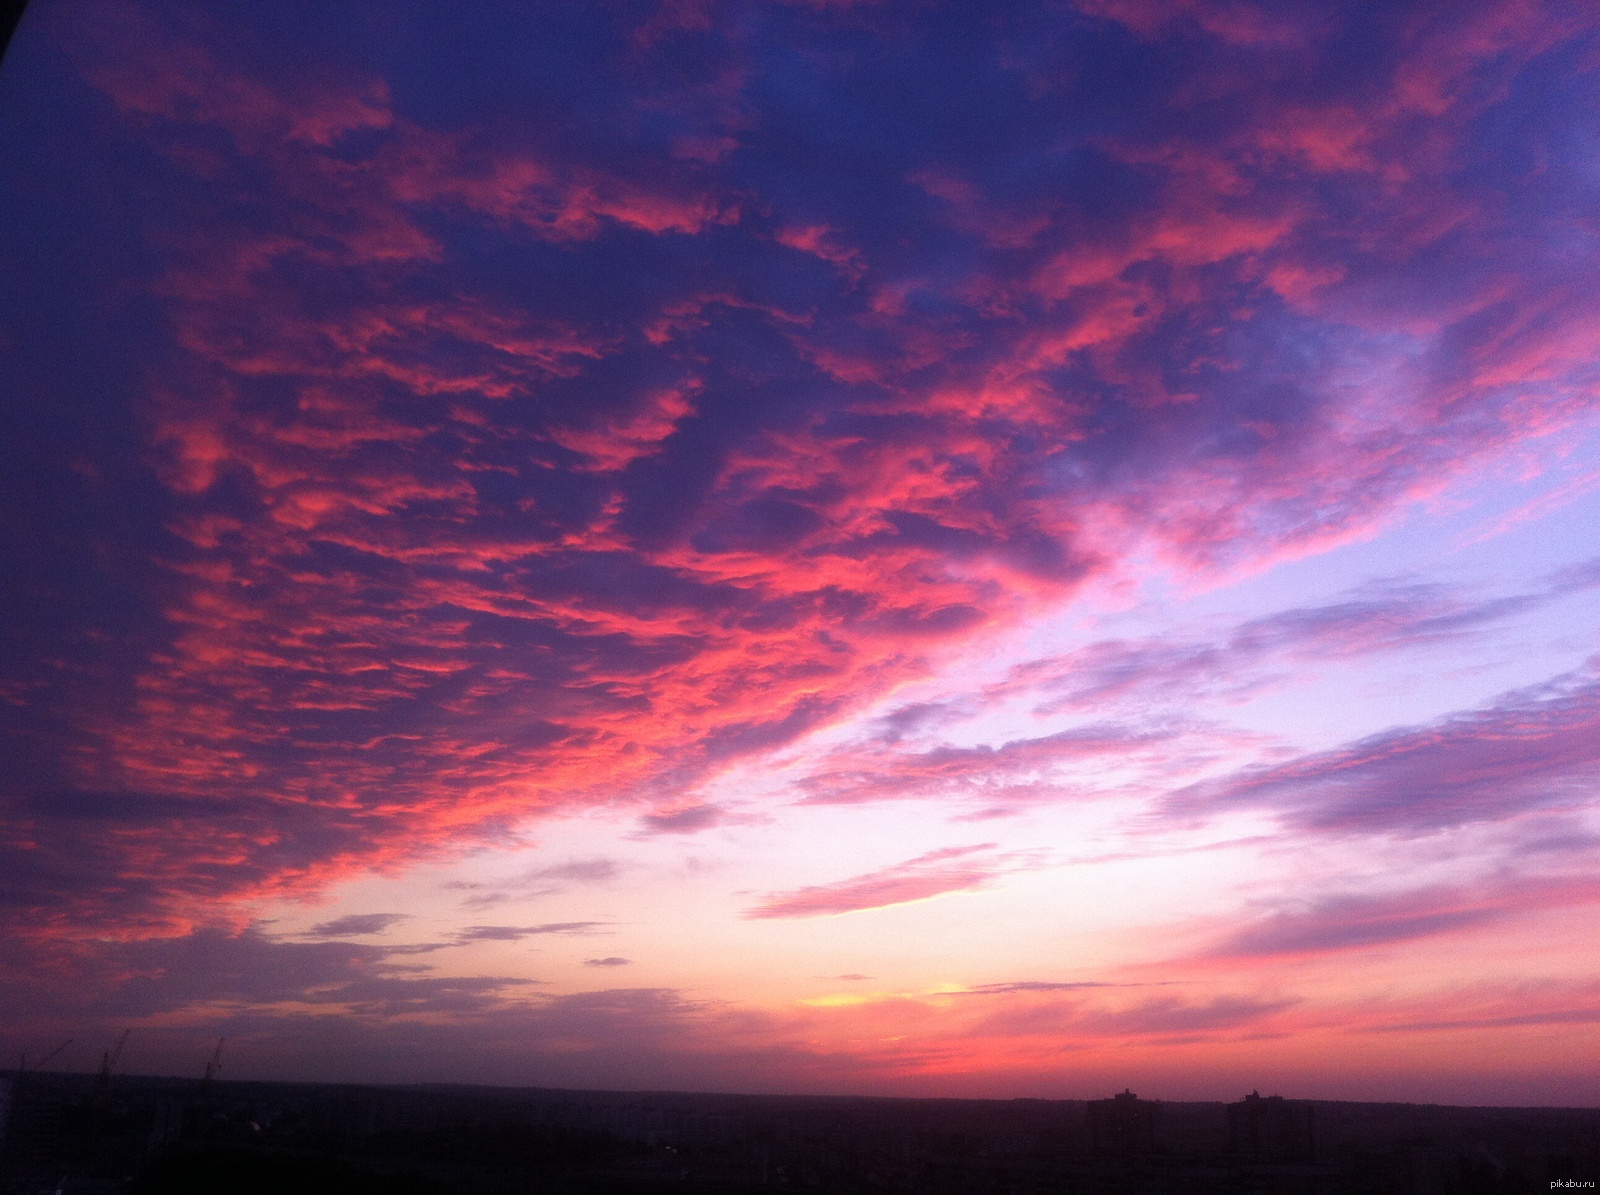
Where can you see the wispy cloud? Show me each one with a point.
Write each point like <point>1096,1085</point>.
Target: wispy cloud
<point>688,820</point>
<point>356,925</point>
<point>1254,654</point>
<point>953,869</point>
<point>1333,922</point>
<point>996,774</point>
<point>215,971</point>
<point>516,933</point>
<point>1532,749</point>
<point>537,881</point>
<point>1171,1016</point>
<point>1032,985</point>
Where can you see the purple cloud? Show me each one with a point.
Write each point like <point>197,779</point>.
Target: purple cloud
<point>356,925</point>
<point>1349,921</point>
<point>1532,749</point>
<point>688,820</point>
<point>213,971</point>
<point>1239,662</point>
<point>515,933</point>
<point>577,871</point>
<point>1167,1016</point>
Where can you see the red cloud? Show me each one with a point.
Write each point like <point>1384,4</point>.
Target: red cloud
<point>505,469</point>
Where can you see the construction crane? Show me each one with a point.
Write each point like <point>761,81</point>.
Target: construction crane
<point>108,1060</point>
<point>214,1065</point>
<point>22,1059</point>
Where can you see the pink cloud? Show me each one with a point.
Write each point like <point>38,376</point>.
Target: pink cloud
<point>1008,771</point>
<point>705,451</point>
<point>952,869</point>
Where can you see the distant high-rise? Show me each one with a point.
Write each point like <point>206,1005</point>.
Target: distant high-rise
<point>1271,1128</point>
<point>1124,1124</point>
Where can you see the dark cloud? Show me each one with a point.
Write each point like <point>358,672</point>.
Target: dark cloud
<point>612,961</point>
<point>344,1012</point>
<point>215,971</point>
<point>515,933</point>
<point>356,925</point>
<point>141,858</point>
<point>689,820</point>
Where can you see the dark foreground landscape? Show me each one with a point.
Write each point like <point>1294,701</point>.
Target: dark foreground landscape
<point>155,1136</point>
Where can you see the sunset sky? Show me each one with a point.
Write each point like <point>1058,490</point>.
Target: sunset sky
<point>1004,549</point>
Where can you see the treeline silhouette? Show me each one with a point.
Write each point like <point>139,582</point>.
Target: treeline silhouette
<point>75,1135</point>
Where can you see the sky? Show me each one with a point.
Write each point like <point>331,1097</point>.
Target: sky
<point>931,549</point>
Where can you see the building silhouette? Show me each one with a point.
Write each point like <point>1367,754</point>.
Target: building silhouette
<point>67,1134</point>
<point>1124,1124</point>
<point>1272,1129</point>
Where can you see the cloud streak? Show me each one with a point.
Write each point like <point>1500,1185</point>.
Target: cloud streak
<point>1530,750</point>
<point>473,544</point>
<point>1355,921</point>
<point>1383,619</point>
<point>356,925</point>
<point>516,933</point>
<point>952,869</point>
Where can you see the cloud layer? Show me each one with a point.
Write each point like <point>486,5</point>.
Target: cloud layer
<point>433,430</point>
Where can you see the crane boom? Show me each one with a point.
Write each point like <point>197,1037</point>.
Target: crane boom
<point>22,1059</point>
<point>108,1060</point>
<point>51,1055</point>
<point>116,1055</point>
<point>215,1064</point>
